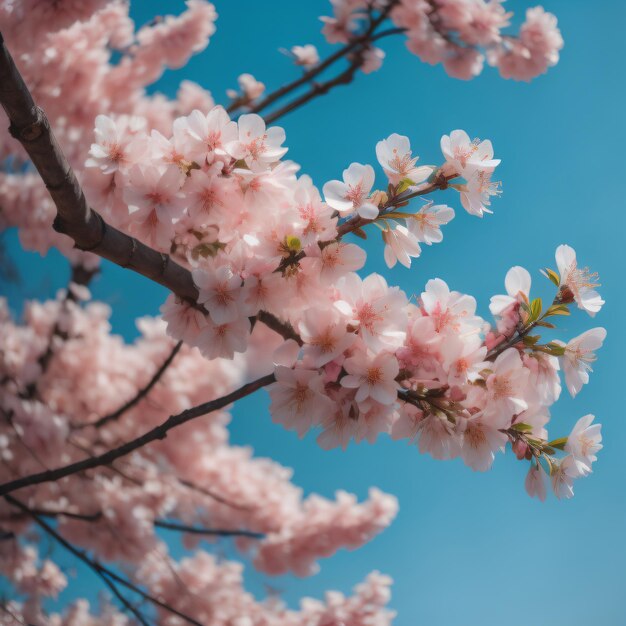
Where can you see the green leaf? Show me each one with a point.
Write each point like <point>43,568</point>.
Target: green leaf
<point>545,324</point>
<point>559,444</point>
<point>531,340</point>
<point>521,427</point>
<point>404,184</point>
<point>535,309</point>
<point>555,349</point>
<point>293,243</point>
<point>553,276</point>
<point>557,309</point>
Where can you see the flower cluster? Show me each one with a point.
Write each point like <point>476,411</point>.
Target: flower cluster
<point>460,34</point>
<point>278,297</point>
<point>216,597</point>
<point>51,416</point>
<point>92,51</point>
<point>357,357</point>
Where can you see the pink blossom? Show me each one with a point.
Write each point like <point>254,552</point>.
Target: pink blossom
<point>116,144</point>
<point>351,194</point>
<point>154,203</point>
<point>373,376</point>
<point>467,157</point>
<point>325,335</point>
<point>220,292</point>
<point>306,55</point>
<point>536,482</point>
<point>400,245</point>
<point>209,134</point>
<point>256,145</point>
<point>426,223</point>
<point>298,399</point>
<point>394,155</point>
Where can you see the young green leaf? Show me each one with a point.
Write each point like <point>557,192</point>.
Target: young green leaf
<point>559,444</point>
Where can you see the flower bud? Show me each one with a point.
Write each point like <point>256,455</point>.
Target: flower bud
<point>379,198</point>
<point>520,448</point>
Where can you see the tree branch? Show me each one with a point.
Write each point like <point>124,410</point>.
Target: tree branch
<point>81,276</point>
<point>183,528</point>
<point>362,41</point>
<point>320,89</point>
<point>107,575</point>
<point>356,222</point>
<point>155,434</point>
<point>140,395</point>
<point>217,532</point>
<point>75,218</point>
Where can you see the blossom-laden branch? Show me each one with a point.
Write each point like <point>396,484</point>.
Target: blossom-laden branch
<point>199,185</point>
<point>458,35</point>
<point>75,218</point>
<point>155,434</point>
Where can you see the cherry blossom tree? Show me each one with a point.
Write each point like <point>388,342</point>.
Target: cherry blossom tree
<point>104,443</point>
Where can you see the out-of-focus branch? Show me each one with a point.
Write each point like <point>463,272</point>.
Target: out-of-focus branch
<point>209,532</point>
<point>80,275</point>
<point>155,434</point>
<point>109,577</point>
<point>183,528</point>
<point>139,396</point>
<point>211,494</point>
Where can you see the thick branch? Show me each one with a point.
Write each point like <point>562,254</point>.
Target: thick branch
<point>75,218</point>
<point>157,433</point>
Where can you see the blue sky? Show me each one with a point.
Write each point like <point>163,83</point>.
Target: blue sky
<point>467,548</point>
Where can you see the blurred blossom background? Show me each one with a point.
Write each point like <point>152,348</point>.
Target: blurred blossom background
<point>466,548</point>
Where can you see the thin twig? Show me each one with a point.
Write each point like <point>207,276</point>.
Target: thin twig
<point>93,565</point>
<point>361,40</point>
<point>322,88</point>
<point>218,532</point>
<point>107,575</point>
<point>183,528</point>
<point>139,396</point>
<point>211,494</point>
